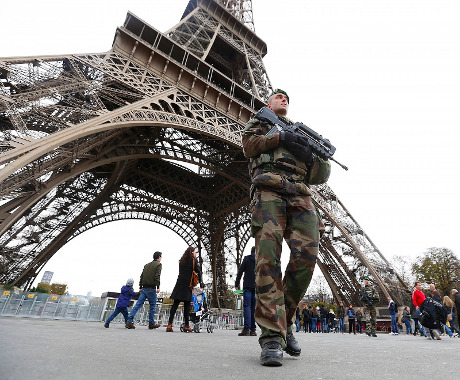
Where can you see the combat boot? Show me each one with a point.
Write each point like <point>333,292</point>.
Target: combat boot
<point>130,325</point>
<point>292,346</point>
<point>272,354</point>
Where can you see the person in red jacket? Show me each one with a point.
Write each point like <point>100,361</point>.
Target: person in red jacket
<point>418,296</point>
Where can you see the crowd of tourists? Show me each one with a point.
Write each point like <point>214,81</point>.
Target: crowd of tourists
<point>429,316</point>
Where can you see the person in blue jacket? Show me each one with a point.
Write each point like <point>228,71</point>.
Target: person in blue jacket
<point>249,292</point>
<point>126,294</point>
<point>393,311</point>
<point>351,320</point>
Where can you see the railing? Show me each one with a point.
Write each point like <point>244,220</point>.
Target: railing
<point>80,308</point>
<point>41,305</point>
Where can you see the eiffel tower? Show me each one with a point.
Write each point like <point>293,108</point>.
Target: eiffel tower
<point>151,130</point>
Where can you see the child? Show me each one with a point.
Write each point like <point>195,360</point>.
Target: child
<point>126,294</point>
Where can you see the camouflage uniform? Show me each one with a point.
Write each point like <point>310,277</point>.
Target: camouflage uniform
<point>281,207</point>
<point>373,295</point>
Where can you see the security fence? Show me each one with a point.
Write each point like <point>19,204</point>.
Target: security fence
<point>42,305</point>
<point>80,308</point>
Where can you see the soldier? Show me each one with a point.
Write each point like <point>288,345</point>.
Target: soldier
<point>281,166</point>
<point>370,297</point>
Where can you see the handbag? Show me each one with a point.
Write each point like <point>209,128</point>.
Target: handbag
<point>194,278</point>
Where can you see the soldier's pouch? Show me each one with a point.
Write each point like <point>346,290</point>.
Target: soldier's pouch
<point>256,213</point>
<point>319,172</point>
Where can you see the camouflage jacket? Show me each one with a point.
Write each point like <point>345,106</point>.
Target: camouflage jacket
<point>272,166</point>
<point>371,293</point>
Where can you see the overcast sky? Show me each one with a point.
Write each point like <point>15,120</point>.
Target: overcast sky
<point>380,79</point>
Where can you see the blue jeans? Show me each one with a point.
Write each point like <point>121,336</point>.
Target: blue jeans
<point>313,324</point>
<point>151,295</point>
<point>448,330</point>
<point>118,310</point>
<point>324,327</point>
<point>342,325</point>
<point>418,325</point>
<point>408,326</point>
<point>249,307</point>
<point>394,326</point>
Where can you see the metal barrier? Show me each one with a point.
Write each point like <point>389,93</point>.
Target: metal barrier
<point>41,305</point>
<point>80,308</point>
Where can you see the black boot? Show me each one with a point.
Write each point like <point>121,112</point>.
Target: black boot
<point>272,354</point>
<point>292,346</point>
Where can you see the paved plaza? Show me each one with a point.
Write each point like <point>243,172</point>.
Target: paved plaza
<point>59,349</point>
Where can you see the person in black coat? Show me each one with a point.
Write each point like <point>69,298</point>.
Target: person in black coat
<point>182,292</point>
<point>247,268</point>
<point>434,314</point>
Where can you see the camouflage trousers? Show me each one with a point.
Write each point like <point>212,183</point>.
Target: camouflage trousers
<point>276,217</point>
<point>373,320</point>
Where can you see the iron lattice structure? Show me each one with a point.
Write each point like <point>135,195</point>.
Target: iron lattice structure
<point>151,130</point>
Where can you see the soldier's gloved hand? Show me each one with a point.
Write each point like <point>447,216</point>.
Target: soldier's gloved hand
<point>287,138</point>
<point>303,141</point>
<point>302,153</point>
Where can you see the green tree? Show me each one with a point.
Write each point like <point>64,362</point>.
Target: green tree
<point>439,266</point>
<point>58,288</point>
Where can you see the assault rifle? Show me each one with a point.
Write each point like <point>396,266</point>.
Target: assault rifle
<point>365,298</point>
<point>319,145</point>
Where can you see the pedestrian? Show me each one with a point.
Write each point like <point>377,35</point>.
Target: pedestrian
<point>314,319</point>
<point>406,320</point>
<point>306,314</point>
<point>182,291</point>
<point>434,314</point>
<point>449,304</point>
<point>418,298</point>
<point>323,313</point>
<point>456,299</point>
<point>370,297</point>
<point>297,319</point>
<point>359,320</point>
<point>393,311</point>
<point>341,316</point>
<point>149,285</point>
<point>126,293</point>
<point>282,166</point>
<point>331,320</point>
<point>415,316</point>
<point>247,268</point>
<point>351,320</point>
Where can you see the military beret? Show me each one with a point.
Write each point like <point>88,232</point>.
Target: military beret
<point>279,91</point>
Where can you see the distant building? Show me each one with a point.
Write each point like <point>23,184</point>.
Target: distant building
<point>47,276</point>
